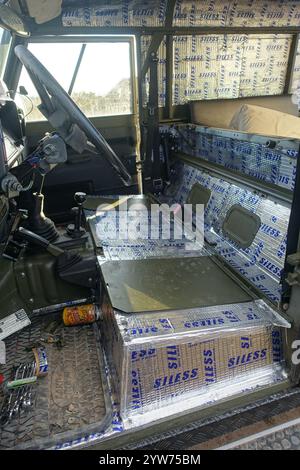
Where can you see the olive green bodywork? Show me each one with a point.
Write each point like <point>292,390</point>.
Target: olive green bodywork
<point>32,283</point>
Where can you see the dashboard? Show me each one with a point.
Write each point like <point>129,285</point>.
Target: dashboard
<point>11,136</point>
<point>11,149</point>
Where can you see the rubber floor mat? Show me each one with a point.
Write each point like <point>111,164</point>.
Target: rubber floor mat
<point>70,400</point>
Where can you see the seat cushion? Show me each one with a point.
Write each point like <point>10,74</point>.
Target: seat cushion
<point>219,113</point>
<point>259,120</point>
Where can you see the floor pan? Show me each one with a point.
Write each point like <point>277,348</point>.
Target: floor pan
<point>70,400</point>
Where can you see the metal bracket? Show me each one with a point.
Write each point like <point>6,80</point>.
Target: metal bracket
<point>151,110</point>
<point>157,185</point>
<point>293,278</point>
<point>13,248</point>
<point>294,259</point>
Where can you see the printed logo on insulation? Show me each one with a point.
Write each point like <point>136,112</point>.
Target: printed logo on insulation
<point>209,366</point>
<point>245,358</point>
<point>173,357</point>
<point>142,354</point>
<point>175,379</point>
<point>161,325</point>
<point>277,345</point>
<point>224,317</point>
<point>136,394</point>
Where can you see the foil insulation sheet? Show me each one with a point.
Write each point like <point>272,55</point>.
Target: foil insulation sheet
<point>208,66</point>
<point>262,262</point>
<point>229,66</point>
<point>186,13</point>
<point>246,153</point>
<point>296,77</point>
<point>241,13</point>
<point>111,13</point>
<point>223,66</point>
<point>165,362</point>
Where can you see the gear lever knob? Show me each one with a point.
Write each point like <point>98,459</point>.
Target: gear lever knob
<point>75,230</point>
<point>80,198</point>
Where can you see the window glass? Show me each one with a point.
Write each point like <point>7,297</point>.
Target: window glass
<point>102,85</point>
<point>229,66</point>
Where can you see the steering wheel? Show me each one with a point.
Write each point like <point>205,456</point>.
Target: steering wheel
<point>65,116</point>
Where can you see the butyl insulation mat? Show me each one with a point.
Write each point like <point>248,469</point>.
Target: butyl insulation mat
<point>262,262</point>
<point>165,362</point>
<point>269,159</point>
<point>207,66</point>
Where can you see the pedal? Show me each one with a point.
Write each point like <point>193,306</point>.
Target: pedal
<point>12,323</point>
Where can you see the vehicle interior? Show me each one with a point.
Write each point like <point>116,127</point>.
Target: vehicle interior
<point>149,172</point>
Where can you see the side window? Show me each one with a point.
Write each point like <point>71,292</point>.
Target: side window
<point>101,86</point>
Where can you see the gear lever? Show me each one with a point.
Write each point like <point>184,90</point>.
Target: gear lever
<point>75,230</point>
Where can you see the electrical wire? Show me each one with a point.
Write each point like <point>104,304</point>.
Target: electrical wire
<point>30,184</point>
<point>32,106</point>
